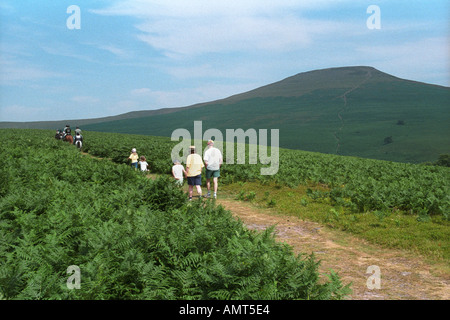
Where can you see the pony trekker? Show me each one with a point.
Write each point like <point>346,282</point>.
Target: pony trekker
<point>78,140</point>
<point>67,134</point>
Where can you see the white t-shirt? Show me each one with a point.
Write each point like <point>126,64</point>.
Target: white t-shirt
<point>178,171</point>
<point>213,157</point>
<point>143,165</point>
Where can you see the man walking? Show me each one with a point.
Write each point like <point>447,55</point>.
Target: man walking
<point>213,160</point>
<point>194,166</point>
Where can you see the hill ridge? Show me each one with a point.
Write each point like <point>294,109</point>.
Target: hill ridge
<point>356,110</point>
<point>142,113</point>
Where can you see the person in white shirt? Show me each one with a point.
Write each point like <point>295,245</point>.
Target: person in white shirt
<point>143,164</point>
<point>178,171</point>
<point>213,160</point>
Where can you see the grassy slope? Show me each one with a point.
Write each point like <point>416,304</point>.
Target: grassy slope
<point>310,122</point>
<point>311,113</point>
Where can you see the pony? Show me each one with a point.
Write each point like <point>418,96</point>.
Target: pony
<point>69,138</point>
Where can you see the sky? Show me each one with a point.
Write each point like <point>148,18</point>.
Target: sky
<point>82,59</point>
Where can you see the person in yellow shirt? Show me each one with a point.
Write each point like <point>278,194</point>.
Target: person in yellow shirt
<point>194,166</point>
<point>134,158</point>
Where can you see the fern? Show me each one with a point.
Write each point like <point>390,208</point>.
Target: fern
<point>133,238</point>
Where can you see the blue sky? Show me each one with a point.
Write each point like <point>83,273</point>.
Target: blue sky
<point>140,55</point>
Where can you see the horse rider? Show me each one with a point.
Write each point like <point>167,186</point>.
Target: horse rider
<point>78,140</point>
<point>66,131</point>
<point>59,134</point>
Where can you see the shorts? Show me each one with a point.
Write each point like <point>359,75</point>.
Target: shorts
<point>134,165</point>
<point>195,181</point>
<point>212,173</point>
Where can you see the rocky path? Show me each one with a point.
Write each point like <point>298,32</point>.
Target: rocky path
<point>402,276</point>
<point>341,119</point>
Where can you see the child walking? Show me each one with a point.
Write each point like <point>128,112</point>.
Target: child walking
<point>143,164</point>
<point>134,158</point>
<point>178,171</point>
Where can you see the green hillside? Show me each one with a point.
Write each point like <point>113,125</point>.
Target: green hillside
<point>357,111</point>
<point>347,111</point>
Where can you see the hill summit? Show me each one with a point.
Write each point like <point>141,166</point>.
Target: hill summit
<point>306,82</point>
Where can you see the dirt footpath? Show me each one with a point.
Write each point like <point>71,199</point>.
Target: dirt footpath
<point>403,276</point>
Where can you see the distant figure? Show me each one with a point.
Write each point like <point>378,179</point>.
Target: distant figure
<point>143,164</point>
<point>67,135</point>
<point>213,160</point>
<point>78,130</point>
<point>78,140</point>
<point>178,172</point>
<point>67,129</point>
<point>194,166</point>
<point>134,158</point>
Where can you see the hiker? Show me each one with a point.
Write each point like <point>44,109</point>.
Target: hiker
<point>78,140</point>
<point>134,158</point>
<point>213,160</point>
<point>178,171</point>
<point>143,164</point>
<point>194,166</point>
<point>67,130</point>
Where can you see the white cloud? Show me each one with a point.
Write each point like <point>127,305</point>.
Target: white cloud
<point>13,71</point>
<point>141,92</point>
<point>122,106</point>
<point>85,99</point>
<point>180,28</point>
<point>201,8</point>
<point>424,60</point>
<point>6,8</point>
<point>17,112</point>
<point>228,34</point>
<point>65,50</point>
<point>147,99</point>
<point>118,52</point>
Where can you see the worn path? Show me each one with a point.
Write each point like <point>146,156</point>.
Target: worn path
<point>403,276</point>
